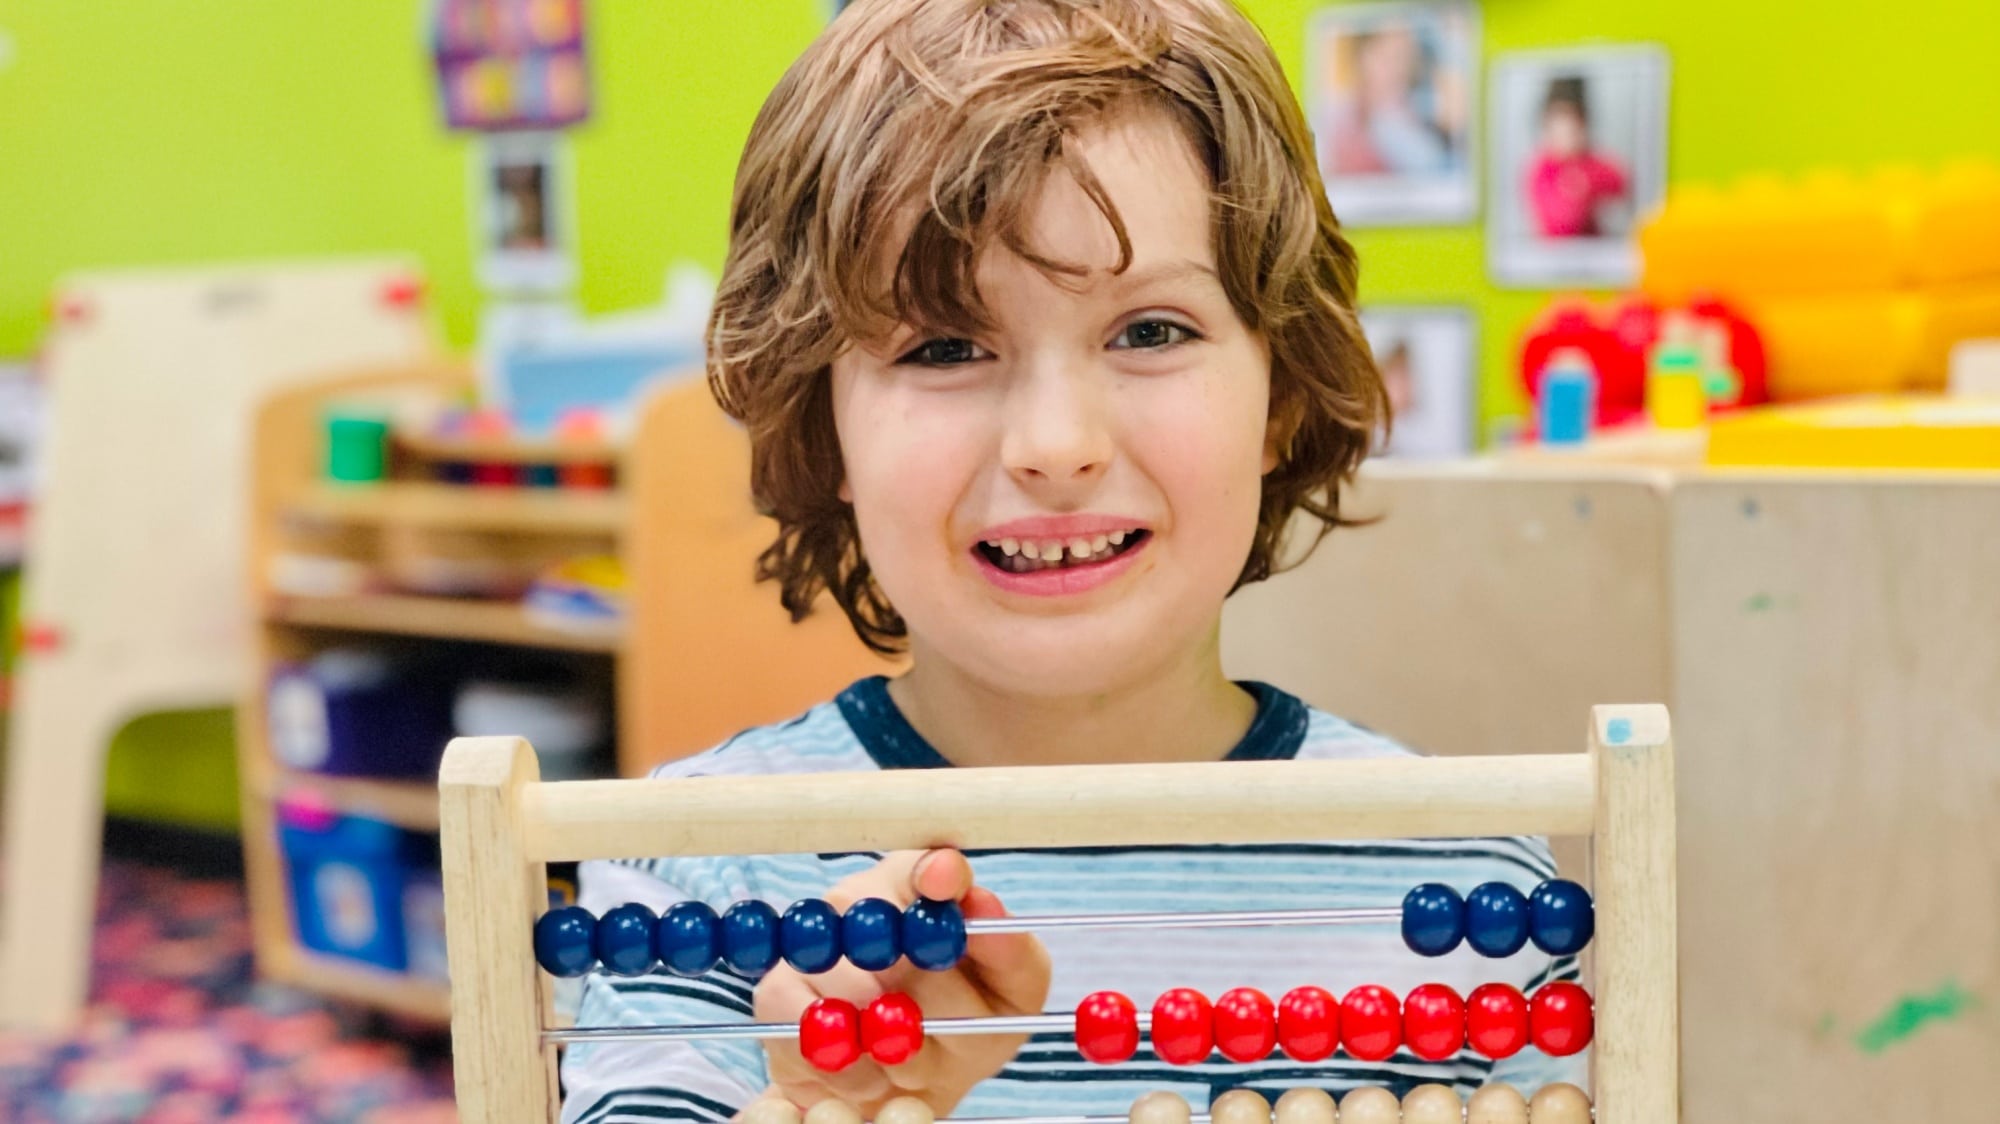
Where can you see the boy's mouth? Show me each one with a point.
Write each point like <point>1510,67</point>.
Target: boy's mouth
<point>1020,556</point>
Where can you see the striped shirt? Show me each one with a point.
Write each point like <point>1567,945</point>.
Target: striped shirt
<point>862,730</point>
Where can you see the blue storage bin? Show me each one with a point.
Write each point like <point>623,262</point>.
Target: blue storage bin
<point>423,908</point>
<point>354,712</point>
<point>347,876</point>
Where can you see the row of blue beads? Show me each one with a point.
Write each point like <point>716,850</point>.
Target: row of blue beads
<point>750,937</point>
<point>1498,920</point>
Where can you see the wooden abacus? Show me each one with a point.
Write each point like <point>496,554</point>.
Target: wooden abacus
<point>501,825</point>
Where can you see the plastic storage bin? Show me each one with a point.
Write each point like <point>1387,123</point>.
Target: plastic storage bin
<point>355,712</point>
<point>346,875</point>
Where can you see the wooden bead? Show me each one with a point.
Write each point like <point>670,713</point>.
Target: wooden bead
<point>1161,1108</point>
<point>833,1110</point>
<point>1239,1106</point>
<point>1559,1104</point>
<point>1372,1105</point>
<point>1305,1106</point>
<point>1432,1104</point>
<point>1496,1104</point>
<point>906,1110</point>
<point>770,1110</point>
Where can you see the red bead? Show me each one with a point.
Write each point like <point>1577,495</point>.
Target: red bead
<point>830,1034</point>
<point>1183,1026</point>
<point>1433,1021</point>
<point>1246,1025</point>
<point>1107,1027</point>
<point>1309,1024</point>
<point>1496,1020</point>
<point>892,1028</point>
<point>1559,1019</point>
<point>1371,1022</point>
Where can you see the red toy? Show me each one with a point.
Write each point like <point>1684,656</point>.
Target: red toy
<point>1620,337</point>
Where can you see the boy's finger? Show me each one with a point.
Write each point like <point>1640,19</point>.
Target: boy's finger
<point>941,875</point>
<point>781,996</point>
<point>862,1083</point>
<point>893,878</point>
<point>1012,968</point>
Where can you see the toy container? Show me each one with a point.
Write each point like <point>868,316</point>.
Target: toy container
<point>346,877</point>
<point>357,712</point>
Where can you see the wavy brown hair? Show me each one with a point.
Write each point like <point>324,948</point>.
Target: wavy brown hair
<point>913,135</point>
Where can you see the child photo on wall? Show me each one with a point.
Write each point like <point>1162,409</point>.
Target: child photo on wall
<point>1578,161</point>
<point>1426,357</point>
<point>1389,96</point>
<point>521,200</point>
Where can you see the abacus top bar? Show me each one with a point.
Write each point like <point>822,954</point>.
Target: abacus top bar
<point>1061,806</point>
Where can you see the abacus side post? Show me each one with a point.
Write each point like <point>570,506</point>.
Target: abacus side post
<point>493,891</point>
<point>1637,1051</point>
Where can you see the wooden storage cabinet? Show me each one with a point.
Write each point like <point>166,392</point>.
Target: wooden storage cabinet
<point>294,508</point>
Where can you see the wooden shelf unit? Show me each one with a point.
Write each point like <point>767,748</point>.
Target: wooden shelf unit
<point>294,507</point>
<point>705,650</point>
<point>461,507</point>
<point>443,618</point>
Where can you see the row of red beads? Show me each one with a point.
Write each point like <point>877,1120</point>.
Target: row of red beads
<point>1309,1024</point>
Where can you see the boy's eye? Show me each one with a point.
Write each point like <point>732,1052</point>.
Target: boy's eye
<point>945,352</point>
<point>1149,334</point>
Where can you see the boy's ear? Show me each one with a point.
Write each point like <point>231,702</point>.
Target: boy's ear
<point>1278,434</point>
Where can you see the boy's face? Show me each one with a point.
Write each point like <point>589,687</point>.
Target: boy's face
<point>1120,417</point>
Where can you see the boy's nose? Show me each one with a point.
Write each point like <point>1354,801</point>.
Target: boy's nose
<point>1056,431</point>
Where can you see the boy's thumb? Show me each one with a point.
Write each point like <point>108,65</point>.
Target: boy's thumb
<point>941,875</point>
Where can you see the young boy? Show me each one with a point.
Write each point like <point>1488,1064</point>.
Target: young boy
<point>1043,333</point>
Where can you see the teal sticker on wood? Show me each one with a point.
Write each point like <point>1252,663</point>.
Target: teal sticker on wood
<point>1618,731</point>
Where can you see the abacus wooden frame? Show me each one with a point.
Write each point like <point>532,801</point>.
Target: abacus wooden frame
<point>501,825</point>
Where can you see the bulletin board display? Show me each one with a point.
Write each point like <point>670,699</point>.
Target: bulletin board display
<point>506,65</point>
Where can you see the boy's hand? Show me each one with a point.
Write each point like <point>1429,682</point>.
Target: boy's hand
<point>1001,974</point>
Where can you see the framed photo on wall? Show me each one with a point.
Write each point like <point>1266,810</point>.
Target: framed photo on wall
<point>1390,97</point>
<point>1429,361</point>
<point>522,204</point>
<point>1579,158</point>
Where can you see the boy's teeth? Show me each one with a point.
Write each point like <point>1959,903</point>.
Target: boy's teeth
<point>1026,556</point>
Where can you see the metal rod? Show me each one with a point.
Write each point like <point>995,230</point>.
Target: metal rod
<point>723,1032</point>
<point>1028,923</point>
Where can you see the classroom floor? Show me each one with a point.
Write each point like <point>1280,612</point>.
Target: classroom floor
<point>180,1032</point>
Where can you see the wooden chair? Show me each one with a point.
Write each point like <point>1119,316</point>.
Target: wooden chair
<point>132,600</point>
<point>501,825</point>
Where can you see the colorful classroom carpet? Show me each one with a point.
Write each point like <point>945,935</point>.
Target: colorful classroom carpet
<point>180,1032</point>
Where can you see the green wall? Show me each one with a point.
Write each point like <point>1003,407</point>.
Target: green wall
<point>160,131</point>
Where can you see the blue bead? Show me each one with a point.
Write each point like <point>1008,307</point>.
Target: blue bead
<point>563,941</point>
<point>624,940</point>
<point>1433,919</point>
<point>688,939</point>
<point>1496,919</point>
<point>1561,917</point>
<point>750,938</point>
<point>871,930</point>
<point>934,934</point>
<point>810,936</point>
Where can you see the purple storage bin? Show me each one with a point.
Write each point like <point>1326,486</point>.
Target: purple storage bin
<point>354,712</point>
